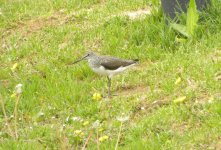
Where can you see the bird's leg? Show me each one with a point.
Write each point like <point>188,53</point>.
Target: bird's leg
<point>109,86</point>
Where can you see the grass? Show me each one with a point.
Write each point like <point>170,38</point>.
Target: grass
<point>44,36</point>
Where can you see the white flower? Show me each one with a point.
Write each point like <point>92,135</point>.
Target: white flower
<point>18,88</point>
<point>40,114</point>
<point>122,118</point>
<point>67,119</point>
<point>142,108</point>
<point>76,119</point>
<point>96,124</point>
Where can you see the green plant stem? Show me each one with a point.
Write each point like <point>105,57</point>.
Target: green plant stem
<point>118,138</point>
<point>97,140</point>
<point>89,136</point>
<point>5,116</point>
<point>16,115</point>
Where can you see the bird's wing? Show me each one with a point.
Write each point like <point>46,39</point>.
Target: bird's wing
<point>113,63</point>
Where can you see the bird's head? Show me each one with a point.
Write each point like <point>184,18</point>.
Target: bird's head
<point>86,57</point>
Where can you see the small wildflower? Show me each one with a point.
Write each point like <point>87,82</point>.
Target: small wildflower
<point>14,67</point>
<point>85,123</point>
<point>40,114</point>
<point>97,96</point>
<point>122,118</point>
<point>180,99</point>
<point>67,119</point>
<point>18,88</point>
<point>76,119</point>
<point>13,95</point>
<point>101,129</point>
<point>178,80</point>
<point>103,138</point>
<point>96,124</point>
<point>81,134</point>
<point>77,132</point>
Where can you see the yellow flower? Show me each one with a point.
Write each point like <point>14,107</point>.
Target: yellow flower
<point>14,67</point>
<point>101,129</point>
<point>13,95</point>
<point>97,96</point>
<point>103,138</point>
<point>81,134</point>
<point>180,99</point>
<point>77,132</point>
<point>178,80</point>
<point>85,123</point>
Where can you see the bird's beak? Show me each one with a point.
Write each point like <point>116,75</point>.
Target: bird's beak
<point>79,59</point>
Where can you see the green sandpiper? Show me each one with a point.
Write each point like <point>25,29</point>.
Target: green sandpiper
<point>107,65</point>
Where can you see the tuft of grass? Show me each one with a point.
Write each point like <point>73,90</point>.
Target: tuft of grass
<point>189,29</point>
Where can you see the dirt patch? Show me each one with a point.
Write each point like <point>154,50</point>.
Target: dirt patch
<point>180,127</point>
<point>216,56</point>
<point>203,98</point>
<point>218,76</point>
<point>57,18</point>
<point>150,106</point>
<point>132,90</point>
<point>31,26</point>
<point>137,14</point>
<point>5,83</point>
<point>147,107</point>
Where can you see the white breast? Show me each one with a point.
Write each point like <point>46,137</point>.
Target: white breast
<point>102,71</point>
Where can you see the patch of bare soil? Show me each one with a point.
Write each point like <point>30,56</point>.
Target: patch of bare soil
<point>145,106</point>
<point>138,13</point>
<point>218,76</point>
<point>31,26</point>
<point>216,56</point>
<point>180,127</point>
<point>5,83</point>
<point>132,90</point>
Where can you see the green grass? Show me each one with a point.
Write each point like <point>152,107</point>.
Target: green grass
<point>54,92</point>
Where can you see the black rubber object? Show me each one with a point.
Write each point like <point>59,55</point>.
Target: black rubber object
<point>171,7</point>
